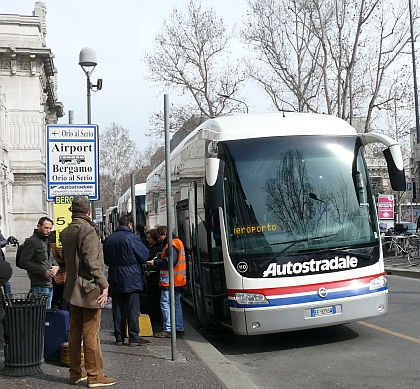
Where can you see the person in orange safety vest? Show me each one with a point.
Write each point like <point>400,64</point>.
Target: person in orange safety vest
<point>180,280</point>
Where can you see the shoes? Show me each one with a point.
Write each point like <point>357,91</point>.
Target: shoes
<point>162,334</point>
<point>119,342</point>
<point>105,381</point>
<point>75,381</point>
<point>180,333</point>
<point>138,342</point>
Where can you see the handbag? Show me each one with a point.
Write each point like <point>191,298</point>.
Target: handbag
<point>81,298</point>
<point>85,293</point>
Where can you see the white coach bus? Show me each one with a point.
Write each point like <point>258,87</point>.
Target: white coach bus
<point>279,221</point>
<point>125,203</point>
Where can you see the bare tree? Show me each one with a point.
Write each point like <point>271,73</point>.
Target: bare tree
<point>399,108</point>
<point>332,56</point>
<point>145,162</point>
<point>117,156</point>
<point>179,115</point>
<point>191,57</point>
<point>276,32</point>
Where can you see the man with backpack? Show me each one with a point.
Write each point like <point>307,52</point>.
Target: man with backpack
<point>37,259</point>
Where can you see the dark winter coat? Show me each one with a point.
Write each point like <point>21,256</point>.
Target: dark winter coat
<point>5,275</point>
<point>124,253</point>
<point>156,248</point>
<point>37,258</point>
<point>3,243</point>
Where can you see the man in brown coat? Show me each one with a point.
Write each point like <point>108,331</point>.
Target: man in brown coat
<point>80,240</point>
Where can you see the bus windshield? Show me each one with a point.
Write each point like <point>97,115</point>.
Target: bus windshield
<point>297,196</point>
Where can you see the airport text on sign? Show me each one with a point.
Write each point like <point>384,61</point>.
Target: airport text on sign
<point>72,161</point>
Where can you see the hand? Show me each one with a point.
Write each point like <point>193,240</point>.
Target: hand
<point>49,273</point>
<point>102,299</point>
<point>54,269</point>
<point>150,263</point>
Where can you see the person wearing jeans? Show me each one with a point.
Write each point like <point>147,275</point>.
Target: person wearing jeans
<point>180,280</point>
<point>166,312</point>
<point>38,260</point>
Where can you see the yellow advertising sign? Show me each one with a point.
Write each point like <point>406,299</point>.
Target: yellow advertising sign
<point>62,218</point>
<point>62,215</point>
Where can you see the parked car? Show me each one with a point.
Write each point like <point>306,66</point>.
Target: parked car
<point>408,228</point>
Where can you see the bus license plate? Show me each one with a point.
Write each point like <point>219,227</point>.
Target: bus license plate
<point>324,311</point>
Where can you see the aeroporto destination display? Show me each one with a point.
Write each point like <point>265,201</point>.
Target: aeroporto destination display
<point>72,160</point>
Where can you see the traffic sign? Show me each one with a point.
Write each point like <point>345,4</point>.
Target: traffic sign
<point>72,161</point>
<point>409,187</point>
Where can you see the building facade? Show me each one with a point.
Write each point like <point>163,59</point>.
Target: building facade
<point>28,101</point>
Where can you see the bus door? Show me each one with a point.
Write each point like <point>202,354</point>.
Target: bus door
<point>182,222</point>
<point>213,273</point>
<point>194,257</point>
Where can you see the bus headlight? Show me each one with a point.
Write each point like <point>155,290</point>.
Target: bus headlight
<point>251,298</point>
<point>377,283</point>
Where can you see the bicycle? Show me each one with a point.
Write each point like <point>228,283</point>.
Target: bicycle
<point>398,244</point>
<point>414,250</point>
<point>403,245</point>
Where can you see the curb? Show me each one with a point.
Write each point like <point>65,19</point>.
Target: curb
<point>222,367</point>
<point>402,272</point>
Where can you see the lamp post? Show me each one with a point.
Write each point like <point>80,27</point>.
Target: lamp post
<point>231,98</point>
<point>416,98</point>
<point>88,62</point>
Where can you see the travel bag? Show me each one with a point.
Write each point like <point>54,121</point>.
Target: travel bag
<point>57,325</point>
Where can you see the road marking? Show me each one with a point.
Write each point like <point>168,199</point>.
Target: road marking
<point>406,337</point>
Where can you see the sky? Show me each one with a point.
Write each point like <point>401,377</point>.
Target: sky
<point>120,32</point>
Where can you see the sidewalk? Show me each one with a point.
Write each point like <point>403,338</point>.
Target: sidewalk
<point>197,365</point>
<point>401,267</point>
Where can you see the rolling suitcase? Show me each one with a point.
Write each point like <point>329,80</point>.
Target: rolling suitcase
<point>56,332</point>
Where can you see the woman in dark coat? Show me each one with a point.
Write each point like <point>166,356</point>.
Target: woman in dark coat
<point>152,274</point>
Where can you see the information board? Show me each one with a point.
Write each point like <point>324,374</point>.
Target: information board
<point>72,161</point>
<point>386,206</point>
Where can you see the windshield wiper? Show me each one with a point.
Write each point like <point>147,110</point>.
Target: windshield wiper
<point>345,250</point>
<point>292,243</point>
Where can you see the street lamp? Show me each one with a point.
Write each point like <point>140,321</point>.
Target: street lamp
<point>416,98</point>
<point>231,98</point>
<point>88,62</point>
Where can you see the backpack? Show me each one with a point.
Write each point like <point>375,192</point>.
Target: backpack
<point>19,254</point>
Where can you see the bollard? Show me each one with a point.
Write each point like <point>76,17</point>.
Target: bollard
<point>24,349</point>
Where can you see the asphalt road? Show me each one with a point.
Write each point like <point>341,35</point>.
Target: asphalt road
<point>380,353</point>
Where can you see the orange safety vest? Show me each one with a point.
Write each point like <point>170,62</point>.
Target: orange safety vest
<point>180,269</point>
